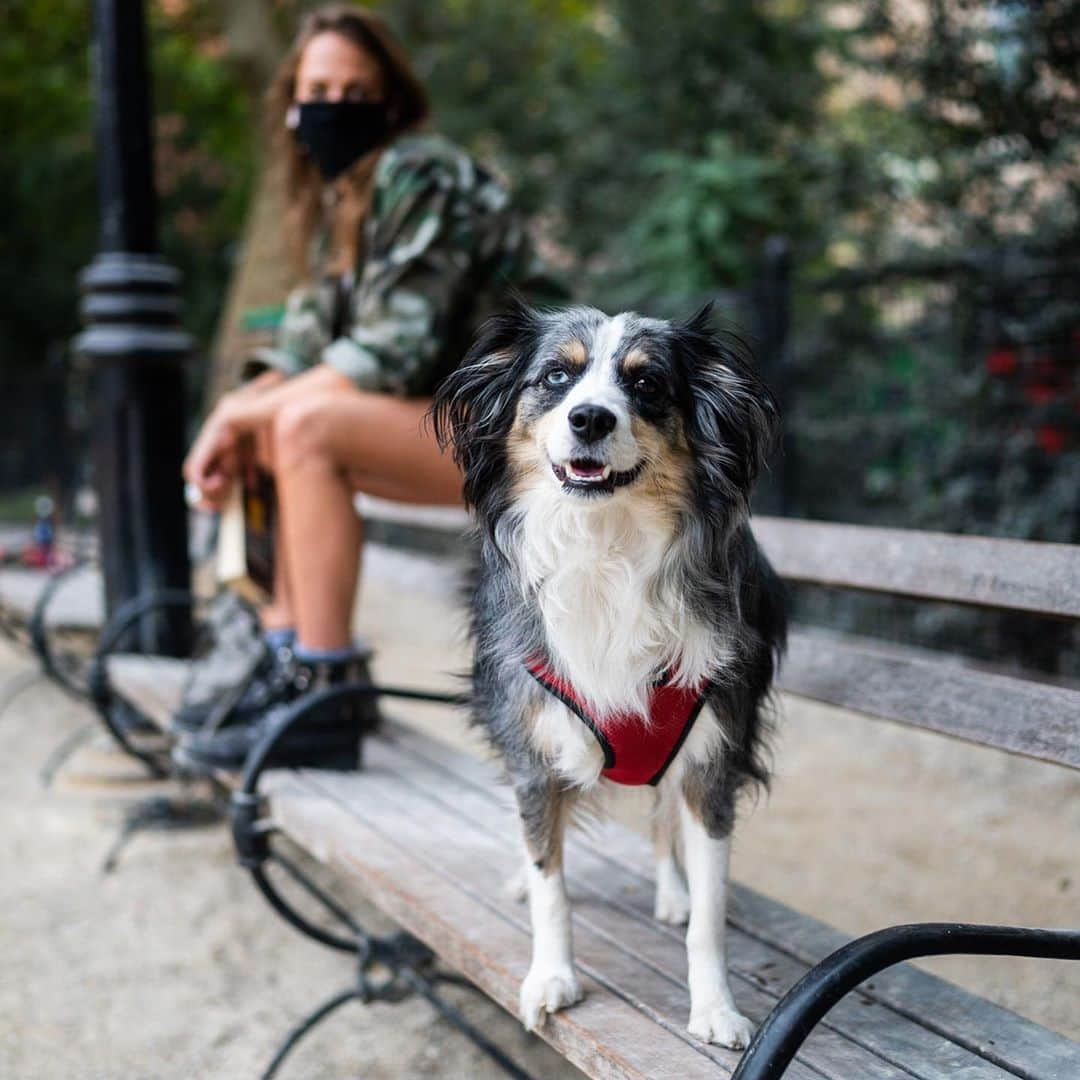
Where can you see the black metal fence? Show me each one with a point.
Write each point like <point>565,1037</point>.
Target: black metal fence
<point>942,394</point>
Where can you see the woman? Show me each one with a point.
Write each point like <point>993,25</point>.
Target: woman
<point>410,244</point>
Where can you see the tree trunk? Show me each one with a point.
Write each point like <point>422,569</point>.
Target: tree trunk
<point>261,275</point>
<point>261,278</point>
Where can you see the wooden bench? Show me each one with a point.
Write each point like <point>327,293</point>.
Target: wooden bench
<point>427,833</point>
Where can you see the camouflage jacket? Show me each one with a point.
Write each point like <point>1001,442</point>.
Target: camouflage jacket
<point>441,249</point>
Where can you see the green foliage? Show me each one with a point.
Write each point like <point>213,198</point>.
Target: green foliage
<point>48,218</point>
<point>705,225</point>
<point>992,111</point>
<point>47,225</point>
<point>628,126</point>
<point>976,129</point>
<point>46,174</point>
<point>49,213</point>
<point>655,147</point>
<point>204,159</point>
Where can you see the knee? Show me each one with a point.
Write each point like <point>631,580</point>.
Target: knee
<point>299,433</point>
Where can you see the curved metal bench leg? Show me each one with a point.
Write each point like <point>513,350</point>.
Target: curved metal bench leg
<point>304,1026</point>
<point>39,632</point>
<point>407,959</point>
<point>786,1028</point>
<point>60,754</point>
<point>410,981</point>
<point>111,638</point>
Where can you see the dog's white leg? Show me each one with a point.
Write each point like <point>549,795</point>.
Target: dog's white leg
<point>551,983</point>
<point>713,1016</point>
<point>517,885</point>
<point>672,903</point>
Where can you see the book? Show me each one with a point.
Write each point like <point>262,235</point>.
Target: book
<point>245,553</point>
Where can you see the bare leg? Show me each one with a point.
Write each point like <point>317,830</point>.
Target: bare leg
<point>551,983</point>
<point>322,536</point>
<point>713,1015</point>
<point>278,613</point>
<point>325,446</point>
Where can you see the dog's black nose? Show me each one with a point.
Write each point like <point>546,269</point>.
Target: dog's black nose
<point>590,423</point>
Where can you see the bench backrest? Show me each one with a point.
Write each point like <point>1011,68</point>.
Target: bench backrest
<point>1036,717</point>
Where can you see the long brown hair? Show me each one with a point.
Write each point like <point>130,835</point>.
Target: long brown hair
<point>408,106</point>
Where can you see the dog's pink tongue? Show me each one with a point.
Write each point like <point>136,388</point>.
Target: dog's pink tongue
<point>587,468</point>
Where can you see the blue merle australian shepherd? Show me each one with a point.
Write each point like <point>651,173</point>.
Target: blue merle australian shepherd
<point>626,624</point>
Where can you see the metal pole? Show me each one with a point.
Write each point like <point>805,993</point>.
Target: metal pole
<point>133,339</point>
<point>771,320</point>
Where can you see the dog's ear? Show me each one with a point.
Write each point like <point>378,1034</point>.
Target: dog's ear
<point>732,417</point>
<point>473,408</point>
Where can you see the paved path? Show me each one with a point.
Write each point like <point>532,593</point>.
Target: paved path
<point>172,967</point>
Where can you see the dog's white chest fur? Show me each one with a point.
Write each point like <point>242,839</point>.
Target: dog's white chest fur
<point>603,577</point>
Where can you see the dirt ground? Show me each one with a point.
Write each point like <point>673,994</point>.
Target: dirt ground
<point>172,966</point>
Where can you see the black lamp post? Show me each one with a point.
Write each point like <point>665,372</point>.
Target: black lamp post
<point>133,339</point>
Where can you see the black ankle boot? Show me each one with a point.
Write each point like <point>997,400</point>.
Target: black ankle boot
<point>268,681</point>
<point>328,739</point>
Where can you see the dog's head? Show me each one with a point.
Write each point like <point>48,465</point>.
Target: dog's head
<point>600,407</point>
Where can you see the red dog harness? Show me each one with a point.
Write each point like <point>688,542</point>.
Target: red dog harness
<point>633,753</point>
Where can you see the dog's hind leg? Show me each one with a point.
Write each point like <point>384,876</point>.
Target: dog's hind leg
<point>551,983</point>
<point>672,902</point>
<point>706,840</point>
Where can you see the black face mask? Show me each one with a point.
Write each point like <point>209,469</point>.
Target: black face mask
<point>337,133</point>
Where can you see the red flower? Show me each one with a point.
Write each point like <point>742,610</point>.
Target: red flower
<point>1002,362</point>
<point>1051,439</point>
<point>1040,393</point>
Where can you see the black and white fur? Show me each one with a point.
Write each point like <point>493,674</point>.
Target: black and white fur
<point>610,462</point>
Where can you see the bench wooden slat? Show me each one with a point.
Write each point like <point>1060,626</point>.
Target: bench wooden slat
<point>1017,1044</point>
<point>480,866</point>
<point>615,899</point>
<point>78,603</point>
<point>451,519</point>
<point>424,832</point>
<point>152,684</point>
<point>602,1036</point>
<point>1017,575</point>
<point>653,968</point>
<point>1038,720</point>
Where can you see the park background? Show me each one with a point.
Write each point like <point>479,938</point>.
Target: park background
<point>893,185</point>
<point>884,195</point>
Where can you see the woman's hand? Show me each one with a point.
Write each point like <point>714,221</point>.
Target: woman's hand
<point>220,449</point>
<point>214,458</point>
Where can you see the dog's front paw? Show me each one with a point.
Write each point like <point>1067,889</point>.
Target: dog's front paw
<point>545,992</point>
<point>721,1025</point>
<point>672,904</point>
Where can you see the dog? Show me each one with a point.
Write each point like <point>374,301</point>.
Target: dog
<point>626,624</point>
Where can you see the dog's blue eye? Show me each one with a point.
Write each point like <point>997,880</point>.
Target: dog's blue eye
<point>557,377</point>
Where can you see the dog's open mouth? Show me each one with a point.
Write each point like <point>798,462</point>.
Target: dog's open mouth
<point>593,477</point>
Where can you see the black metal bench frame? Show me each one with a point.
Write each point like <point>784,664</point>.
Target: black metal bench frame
<point>408,962</point>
